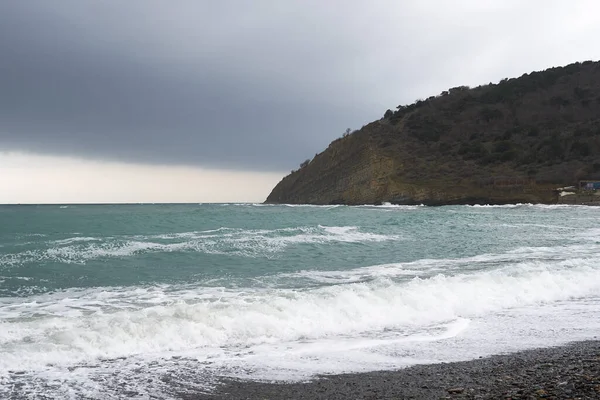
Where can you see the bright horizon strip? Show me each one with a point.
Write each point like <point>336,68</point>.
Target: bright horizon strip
<point>41,179</point>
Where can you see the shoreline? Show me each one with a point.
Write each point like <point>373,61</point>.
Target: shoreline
<point>445,204</point>
<point>563,372</point>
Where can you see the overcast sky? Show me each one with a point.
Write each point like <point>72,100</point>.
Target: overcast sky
<point>252,87</point>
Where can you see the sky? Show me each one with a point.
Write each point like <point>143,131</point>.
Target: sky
<point>215,101</point>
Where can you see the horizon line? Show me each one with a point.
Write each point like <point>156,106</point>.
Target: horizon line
<point>128,203</point>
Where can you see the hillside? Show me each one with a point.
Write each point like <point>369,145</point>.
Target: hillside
<point>513,141</point>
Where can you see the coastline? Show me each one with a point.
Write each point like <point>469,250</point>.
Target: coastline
<point>571,371</point>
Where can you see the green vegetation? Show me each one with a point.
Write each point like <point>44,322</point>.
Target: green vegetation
<point>543,126</point>
<point>549,116</point>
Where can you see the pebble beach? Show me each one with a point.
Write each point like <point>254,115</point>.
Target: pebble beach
<point>566,372</point>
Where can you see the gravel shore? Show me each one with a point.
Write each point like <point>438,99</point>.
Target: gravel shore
<point>566,372</point>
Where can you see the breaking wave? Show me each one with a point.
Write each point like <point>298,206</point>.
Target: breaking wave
<point>159,304</point>
<point>238,242</point>
<point>360,310</point>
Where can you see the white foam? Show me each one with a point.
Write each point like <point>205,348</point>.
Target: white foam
<point>385,206</point>
<point>529,205</point>
<point>19,278</point>
<point>326,206</point>
<point>112,323</point>
<point>589,234</point>
<point>530,256</point>
<point>77,239</point>
<point>240,242</point>
<point>360,274</point>
<point>370,321</point>
<point>89,342</point>
<point>517,205</point>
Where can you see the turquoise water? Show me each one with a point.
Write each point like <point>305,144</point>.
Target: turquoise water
<point>92,296</point>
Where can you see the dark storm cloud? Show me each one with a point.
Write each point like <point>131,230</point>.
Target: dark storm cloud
<point>256,85</point>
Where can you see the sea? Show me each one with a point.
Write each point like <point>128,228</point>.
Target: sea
<point>159,300</point>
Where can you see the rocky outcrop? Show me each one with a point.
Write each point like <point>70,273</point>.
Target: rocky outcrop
<point>500,143</point>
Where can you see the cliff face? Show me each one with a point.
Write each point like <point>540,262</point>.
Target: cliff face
<point>500,143</point>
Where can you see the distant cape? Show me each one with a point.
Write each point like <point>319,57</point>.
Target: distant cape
<point>510,142</point>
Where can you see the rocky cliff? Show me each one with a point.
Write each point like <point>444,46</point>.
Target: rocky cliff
<point>513,141</point>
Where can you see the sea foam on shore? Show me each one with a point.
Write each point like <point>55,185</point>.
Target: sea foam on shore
<point>566,372</point>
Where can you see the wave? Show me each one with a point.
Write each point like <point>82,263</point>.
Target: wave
<point>364,318</point>
<point>529,205</point>
<point>386,206</point>
<point>331,206</point>
<point>324,206</point>
<point>113,322</point>
<point>283,205</point>
<point>229,241</point>
<point>77,239</point>
<point>517,205</point>
<point>521,257</point>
